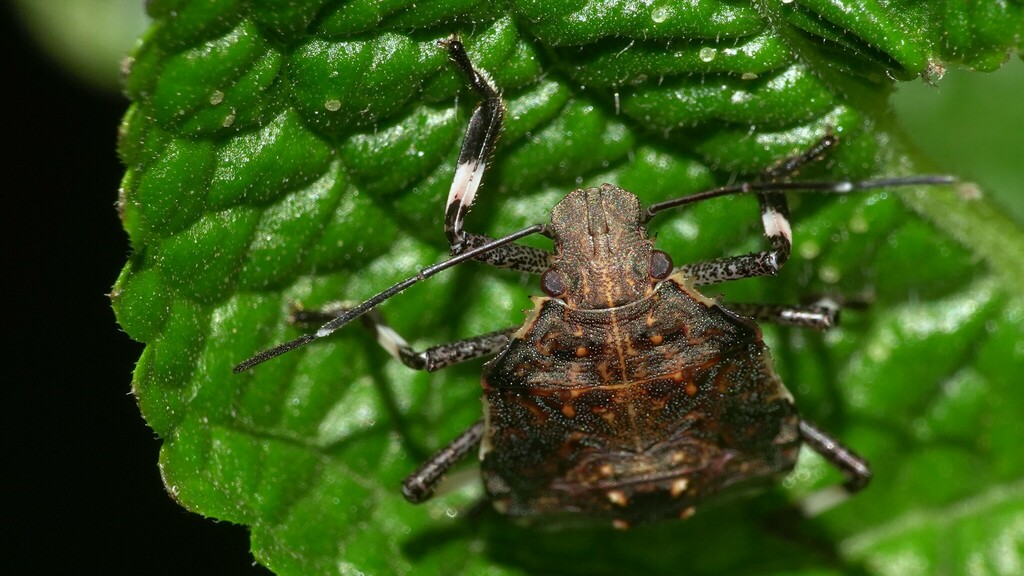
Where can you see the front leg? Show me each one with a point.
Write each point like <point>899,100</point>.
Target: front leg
<point>774,220</point>
<point>484,128</point>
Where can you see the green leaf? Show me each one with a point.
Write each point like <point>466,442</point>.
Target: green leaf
<point>301,154</point>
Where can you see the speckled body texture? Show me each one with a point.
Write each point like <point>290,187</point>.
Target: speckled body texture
<point>628,398</point>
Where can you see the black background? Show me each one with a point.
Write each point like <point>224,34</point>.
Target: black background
<point>80,483</point>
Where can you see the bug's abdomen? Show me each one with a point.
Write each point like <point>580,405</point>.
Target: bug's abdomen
<point>634,413</point>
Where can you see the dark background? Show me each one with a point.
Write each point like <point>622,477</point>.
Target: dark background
<point>81,489</point>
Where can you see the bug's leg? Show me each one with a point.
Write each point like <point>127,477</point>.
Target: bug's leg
<point>514,256</point>
<point>431,359</point>
<point>420,485</point>
<point>478,145</point>
<point>774,219</point>
<point>481,135</point>
<point>820,315</point>
<point>856,469</point>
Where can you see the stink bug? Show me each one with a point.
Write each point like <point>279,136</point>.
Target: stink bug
<point>627,395</point>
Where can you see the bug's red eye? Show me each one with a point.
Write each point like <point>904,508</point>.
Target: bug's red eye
<point>552,283</point>
<point>661,265</point>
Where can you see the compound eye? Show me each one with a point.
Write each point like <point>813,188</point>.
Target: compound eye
<point>661,265</point>
<point>552,283</point>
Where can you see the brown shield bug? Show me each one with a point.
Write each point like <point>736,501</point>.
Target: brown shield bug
<point>626,395</point>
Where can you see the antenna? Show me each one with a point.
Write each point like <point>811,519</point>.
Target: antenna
<point>819,187</point>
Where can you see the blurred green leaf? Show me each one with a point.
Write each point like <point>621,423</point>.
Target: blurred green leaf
<point>302,154</point>
<point>970,122</point>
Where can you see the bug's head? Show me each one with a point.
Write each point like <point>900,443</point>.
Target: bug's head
<point>603,257</point>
